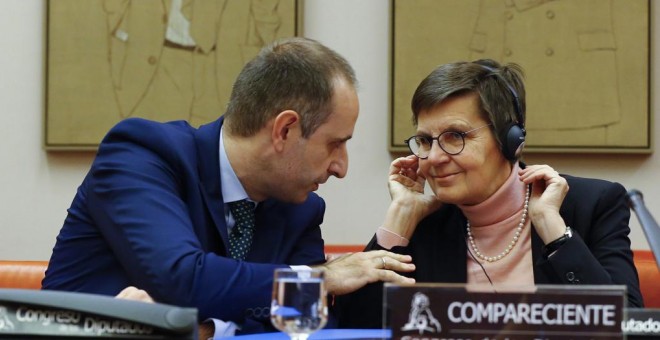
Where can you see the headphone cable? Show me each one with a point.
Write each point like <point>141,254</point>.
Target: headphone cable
<point>482,267</point>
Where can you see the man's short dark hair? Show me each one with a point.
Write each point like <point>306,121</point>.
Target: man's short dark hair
<point>296,74</point>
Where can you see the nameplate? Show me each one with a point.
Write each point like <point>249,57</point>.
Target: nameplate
<point>45,314</point>
<point>453,311</point>
<point>641,323</point>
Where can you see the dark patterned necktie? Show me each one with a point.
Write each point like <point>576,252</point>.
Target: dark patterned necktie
<point>241,235</point>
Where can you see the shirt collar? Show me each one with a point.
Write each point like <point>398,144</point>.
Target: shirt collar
<point>231,187</point>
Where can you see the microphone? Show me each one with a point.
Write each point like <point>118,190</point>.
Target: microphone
<point>649,225</point>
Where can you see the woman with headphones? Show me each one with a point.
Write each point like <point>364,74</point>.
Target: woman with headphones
<point>491,219</point>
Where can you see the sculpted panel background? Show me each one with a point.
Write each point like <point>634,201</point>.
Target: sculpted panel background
<point>586,64</point>
<point>161,60</point>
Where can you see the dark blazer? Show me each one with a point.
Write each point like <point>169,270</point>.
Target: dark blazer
<point>598,253</point>
<point>150,214</point>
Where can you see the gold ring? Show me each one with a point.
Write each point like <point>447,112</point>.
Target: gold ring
<point>384,263</point>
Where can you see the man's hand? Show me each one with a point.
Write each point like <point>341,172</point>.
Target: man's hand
<point>132,293</point>
<point>350,272</point>
<point>206,331</point>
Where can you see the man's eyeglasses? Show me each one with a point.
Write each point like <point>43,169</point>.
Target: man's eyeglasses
<point>451,142</point>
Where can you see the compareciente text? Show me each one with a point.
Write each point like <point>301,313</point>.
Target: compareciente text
<point>533,314</point>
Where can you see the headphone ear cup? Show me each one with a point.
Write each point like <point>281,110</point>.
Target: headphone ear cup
<point>514,142</point>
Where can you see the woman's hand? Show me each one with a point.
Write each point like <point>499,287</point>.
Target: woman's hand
<point>548,192</point>
<point>409,203</point>
<point>405,181</point>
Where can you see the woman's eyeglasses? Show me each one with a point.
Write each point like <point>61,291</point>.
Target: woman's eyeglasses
<point>451,142</point>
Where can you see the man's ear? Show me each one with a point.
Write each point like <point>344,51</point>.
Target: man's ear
<point>284,125</point>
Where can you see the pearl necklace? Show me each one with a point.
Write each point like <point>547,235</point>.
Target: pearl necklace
<point>511,244</point>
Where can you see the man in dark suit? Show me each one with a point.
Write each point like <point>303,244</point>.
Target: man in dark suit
<point>154,210</point>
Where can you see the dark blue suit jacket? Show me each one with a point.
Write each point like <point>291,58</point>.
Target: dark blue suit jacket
<point>150,214</point>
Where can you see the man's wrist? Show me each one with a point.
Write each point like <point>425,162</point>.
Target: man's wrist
<point>216,328</point>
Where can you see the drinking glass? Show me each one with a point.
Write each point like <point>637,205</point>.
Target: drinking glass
<point>299,306</point>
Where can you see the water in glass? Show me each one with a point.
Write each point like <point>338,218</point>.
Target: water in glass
<point>299,305</point>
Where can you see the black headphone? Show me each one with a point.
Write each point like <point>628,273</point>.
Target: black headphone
<point>513,136</point>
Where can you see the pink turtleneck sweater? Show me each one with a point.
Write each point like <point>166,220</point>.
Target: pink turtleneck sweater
<point>493,223</point>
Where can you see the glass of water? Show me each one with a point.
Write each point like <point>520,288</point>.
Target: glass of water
<point>299,306</point>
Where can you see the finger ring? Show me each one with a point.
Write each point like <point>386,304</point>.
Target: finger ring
<point>384,263</point>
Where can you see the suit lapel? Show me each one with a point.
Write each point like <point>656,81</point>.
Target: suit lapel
<point>270,226</point>
<point>207,138</point>
<point>269,234</point>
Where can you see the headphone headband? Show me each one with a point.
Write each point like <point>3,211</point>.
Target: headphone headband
<point>517,108</point>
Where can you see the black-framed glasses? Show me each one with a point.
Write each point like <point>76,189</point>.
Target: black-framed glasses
<point>451,142</point>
